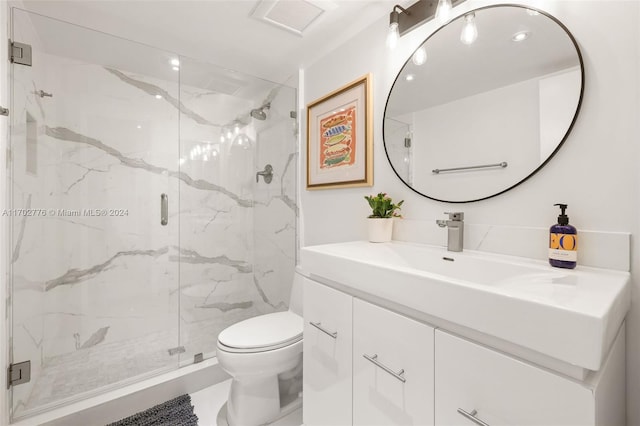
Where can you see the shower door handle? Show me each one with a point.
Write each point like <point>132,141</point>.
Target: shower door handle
<point>164,209</point>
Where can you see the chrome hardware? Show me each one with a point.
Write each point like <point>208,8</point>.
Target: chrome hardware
<point>324,330</point>
<point>19,53</point>
<point>267,174</point>
<point>44,94</point>
<point>4,111</point>
<point>177,350</point>
<point>472,416</point>
<point>455,226</point>
<point>374,359</point>
<point>484,166</point>
<point>164,209</point>
<point>18,373</point>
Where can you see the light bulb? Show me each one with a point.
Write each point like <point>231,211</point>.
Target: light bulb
<point>443,12</point>
<point>393,35</point>
<point>420,56</point>
<point>469,32</point>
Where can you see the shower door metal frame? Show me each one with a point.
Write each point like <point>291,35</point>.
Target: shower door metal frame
<point>5,225</point>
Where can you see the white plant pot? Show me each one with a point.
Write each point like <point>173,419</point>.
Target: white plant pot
<point>380,229</point>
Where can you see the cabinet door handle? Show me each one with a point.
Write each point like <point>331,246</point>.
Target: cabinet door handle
<point>324,330</point>
<point>374,359</point>
<point>472,416</point>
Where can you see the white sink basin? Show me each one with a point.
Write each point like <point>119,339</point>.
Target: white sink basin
<point>569,315</point>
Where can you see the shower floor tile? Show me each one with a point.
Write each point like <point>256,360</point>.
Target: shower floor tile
<point>76,373</point>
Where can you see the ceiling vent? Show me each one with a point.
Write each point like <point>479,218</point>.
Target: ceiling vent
<point>291,15</point>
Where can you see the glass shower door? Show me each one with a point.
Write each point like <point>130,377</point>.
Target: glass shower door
<point>94,178</point>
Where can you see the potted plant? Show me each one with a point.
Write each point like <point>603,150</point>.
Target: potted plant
<point>383,210</point>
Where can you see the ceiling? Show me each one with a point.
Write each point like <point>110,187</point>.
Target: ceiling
<point>222,32</point>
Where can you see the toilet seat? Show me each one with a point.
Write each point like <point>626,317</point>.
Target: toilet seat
<point>260,334</point>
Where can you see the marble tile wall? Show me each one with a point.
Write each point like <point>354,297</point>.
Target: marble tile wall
<point>116,293</point>
<point>238,247</point>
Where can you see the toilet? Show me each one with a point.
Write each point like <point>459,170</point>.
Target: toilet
<point>263,355</point>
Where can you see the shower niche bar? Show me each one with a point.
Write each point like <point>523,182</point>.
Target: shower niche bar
<point>100,285</point>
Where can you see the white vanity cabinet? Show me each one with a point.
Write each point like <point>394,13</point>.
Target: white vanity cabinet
<point>367,365</point>
<point>500,390</point>
<point>327,344</point>
<point>392,368</point>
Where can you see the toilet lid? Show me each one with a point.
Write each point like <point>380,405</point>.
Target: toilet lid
<point>264,331</point>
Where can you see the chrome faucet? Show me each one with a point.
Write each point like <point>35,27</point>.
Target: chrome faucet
<point>455,228</point>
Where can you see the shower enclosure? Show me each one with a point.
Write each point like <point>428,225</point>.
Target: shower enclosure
<point>139,226</point>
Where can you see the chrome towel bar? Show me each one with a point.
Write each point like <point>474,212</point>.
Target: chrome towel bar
<point>484,166</point>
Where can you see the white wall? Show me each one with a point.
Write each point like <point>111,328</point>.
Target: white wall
<point>595,172</point>
<point>477,130</point>
<point>558,96</point>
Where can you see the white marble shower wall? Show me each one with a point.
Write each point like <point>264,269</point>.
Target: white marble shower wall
<point>222,268</point>
<point>97,144</point>
<point>276,208</point>
<point>98,300</point>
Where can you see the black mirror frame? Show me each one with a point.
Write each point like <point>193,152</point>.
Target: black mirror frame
<point>564,138</point>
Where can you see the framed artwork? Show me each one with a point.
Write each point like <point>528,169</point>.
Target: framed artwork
<point>340,138</point>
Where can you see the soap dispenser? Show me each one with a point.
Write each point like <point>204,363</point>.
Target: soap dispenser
<point>563,242</point>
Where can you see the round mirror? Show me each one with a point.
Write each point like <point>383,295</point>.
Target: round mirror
<point>483,103</point>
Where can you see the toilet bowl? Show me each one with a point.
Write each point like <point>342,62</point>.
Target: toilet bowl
<point>258,353</point>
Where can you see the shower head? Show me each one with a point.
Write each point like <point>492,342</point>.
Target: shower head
<point>259,113</point>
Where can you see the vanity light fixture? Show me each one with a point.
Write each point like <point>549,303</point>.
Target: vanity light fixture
<point>394,34</point>
<point>402,20</point>
<point>443,12</point>
<point>520,36</point>
<point>469,32</point>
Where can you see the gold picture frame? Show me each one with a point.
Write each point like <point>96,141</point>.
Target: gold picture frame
<point>340,137</point>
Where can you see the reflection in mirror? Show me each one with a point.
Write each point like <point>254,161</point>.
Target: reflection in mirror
<point>493,107</point>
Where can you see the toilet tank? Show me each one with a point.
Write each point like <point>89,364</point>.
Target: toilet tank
<point>295,300</point>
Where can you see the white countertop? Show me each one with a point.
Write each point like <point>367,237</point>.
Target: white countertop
<point>569,315</point>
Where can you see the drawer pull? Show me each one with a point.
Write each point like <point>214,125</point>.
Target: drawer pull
<point>324,330</point>
<point>374,359</point>
<point>472,416</point>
